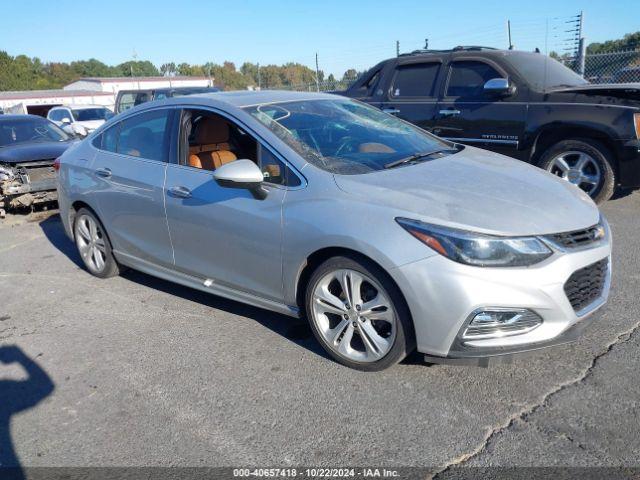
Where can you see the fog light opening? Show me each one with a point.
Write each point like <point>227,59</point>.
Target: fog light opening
<point>496,323</point>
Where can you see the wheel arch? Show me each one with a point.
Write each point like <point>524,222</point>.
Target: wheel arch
<point>73,211</point>
<point>549,135</point>
<point>316,258</point>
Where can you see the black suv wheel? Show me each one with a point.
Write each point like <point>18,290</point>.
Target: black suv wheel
<point>584,162</point>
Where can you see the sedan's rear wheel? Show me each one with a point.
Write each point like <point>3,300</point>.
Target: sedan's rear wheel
<point>93,245</point>
<point>358,315</point>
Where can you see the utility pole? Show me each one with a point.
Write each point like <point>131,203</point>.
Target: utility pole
<point>259,78</point>
<point>397,48</point>
<point>135,57</point>
<point>509,33</point>
<point>317,74</point>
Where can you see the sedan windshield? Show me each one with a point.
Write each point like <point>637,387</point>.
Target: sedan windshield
<point>26,130</point>
<point>347,137</point>
<point>88,114</point>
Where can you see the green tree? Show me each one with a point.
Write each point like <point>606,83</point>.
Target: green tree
<point>168,69</point>
<point>137,68</point>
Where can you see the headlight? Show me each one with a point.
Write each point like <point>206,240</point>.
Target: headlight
<point>478,249</point>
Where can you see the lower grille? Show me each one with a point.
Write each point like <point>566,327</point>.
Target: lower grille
<point>586,284</point>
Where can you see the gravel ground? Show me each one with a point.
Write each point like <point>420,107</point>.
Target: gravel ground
<point>136,371</point>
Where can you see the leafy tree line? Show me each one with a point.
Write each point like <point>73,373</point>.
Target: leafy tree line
<point>24,73</point>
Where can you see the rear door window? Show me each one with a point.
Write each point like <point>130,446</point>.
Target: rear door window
<point>145,135</point>
<point>467,79</point>
<point>415,80</point>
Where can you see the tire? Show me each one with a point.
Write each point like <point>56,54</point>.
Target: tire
<point>599,163</point>
<point>93,245</point>
<point>359,338</point>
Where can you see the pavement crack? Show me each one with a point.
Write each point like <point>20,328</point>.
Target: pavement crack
<point>524,414</point>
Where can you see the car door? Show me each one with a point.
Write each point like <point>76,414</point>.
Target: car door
<point>413,91</point>
<point>224,236</point>
<point>469,115</point>
<point>129,170</point>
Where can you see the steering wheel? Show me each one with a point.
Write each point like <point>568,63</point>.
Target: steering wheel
<point>346,142</point>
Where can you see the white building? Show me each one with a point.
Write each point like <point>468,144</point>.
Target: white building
<point>87,91</point>
<point>115,84</point>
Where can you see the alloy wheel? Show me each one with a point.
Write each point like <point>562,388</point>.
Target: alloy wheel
<point>578,168</point>
<point>354,315</point>
<point>91,243</point>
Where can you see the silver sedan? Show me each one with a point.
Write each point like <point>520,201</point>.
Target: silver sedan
<point>386,238</point>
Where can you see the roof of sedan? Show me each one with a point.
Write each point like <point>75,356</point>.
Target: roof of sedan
<point>245,98</point>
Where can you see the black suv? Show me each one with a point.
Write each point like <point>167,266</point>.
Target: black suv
<point>522,104</point>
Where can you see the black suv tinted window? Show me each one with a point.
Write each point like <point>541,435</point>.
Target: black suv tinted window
<point>467,79</point>
<point>368,86</point>
<point>416,80</point>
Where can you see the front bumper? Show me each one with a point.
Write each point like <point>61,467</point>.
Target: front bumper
<point>443,294</point>
<point>628,155</point>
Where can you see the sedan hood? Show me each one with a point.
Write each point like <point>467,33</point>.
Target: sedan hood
<point>26,152</point>
<point>480,191</point>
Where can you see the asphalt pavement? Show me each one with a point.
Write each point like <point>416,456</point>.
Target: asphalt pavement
<point>136,371</point>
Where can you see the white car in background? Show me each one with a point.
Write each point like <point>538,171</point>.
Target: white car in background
<point>79,119</point>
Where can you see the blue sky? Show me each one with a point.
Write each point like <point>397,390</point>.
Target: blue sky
<point>345,33</point>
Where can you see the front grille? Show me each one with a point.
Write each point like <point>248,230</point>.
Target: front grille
<point>586,284</point>
<point>578,238</point>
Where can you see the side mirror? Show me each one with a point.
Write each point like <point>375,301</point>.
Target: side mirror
<point>241,174</point>
<point>66,121</point>
<point>499,87</point>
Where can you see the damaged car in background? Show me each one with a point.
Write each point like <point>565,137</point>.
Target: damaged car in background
<point>29,146</point>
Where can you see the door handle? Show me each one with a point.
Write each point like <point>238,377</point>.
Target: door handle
<point>449,112</point>
<point>392,111</point>
<point>180,192</point>
<point>103,172</point>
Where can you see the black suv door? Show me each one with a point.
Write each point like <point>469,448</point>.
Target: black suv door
<point>469,115</point>
<point>413,90</point>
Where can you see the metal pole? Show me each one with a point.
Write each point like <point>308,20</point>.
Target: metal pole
<point>317,74</point>
<point>582,53</point>
<point>509,32</point>
<point>582,46</point>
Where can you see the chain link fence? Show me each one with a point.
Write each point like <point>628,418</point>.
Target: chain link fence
<point>609,67</point>
<point>321,86</point>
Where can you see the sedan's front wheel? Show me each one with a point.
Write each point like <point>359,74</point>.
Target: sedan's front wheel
<point>93,245</point>
<point>358,314</point>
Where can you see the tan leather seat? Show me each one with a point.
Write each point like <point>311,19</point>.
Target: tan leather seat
<point>212,148</point>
